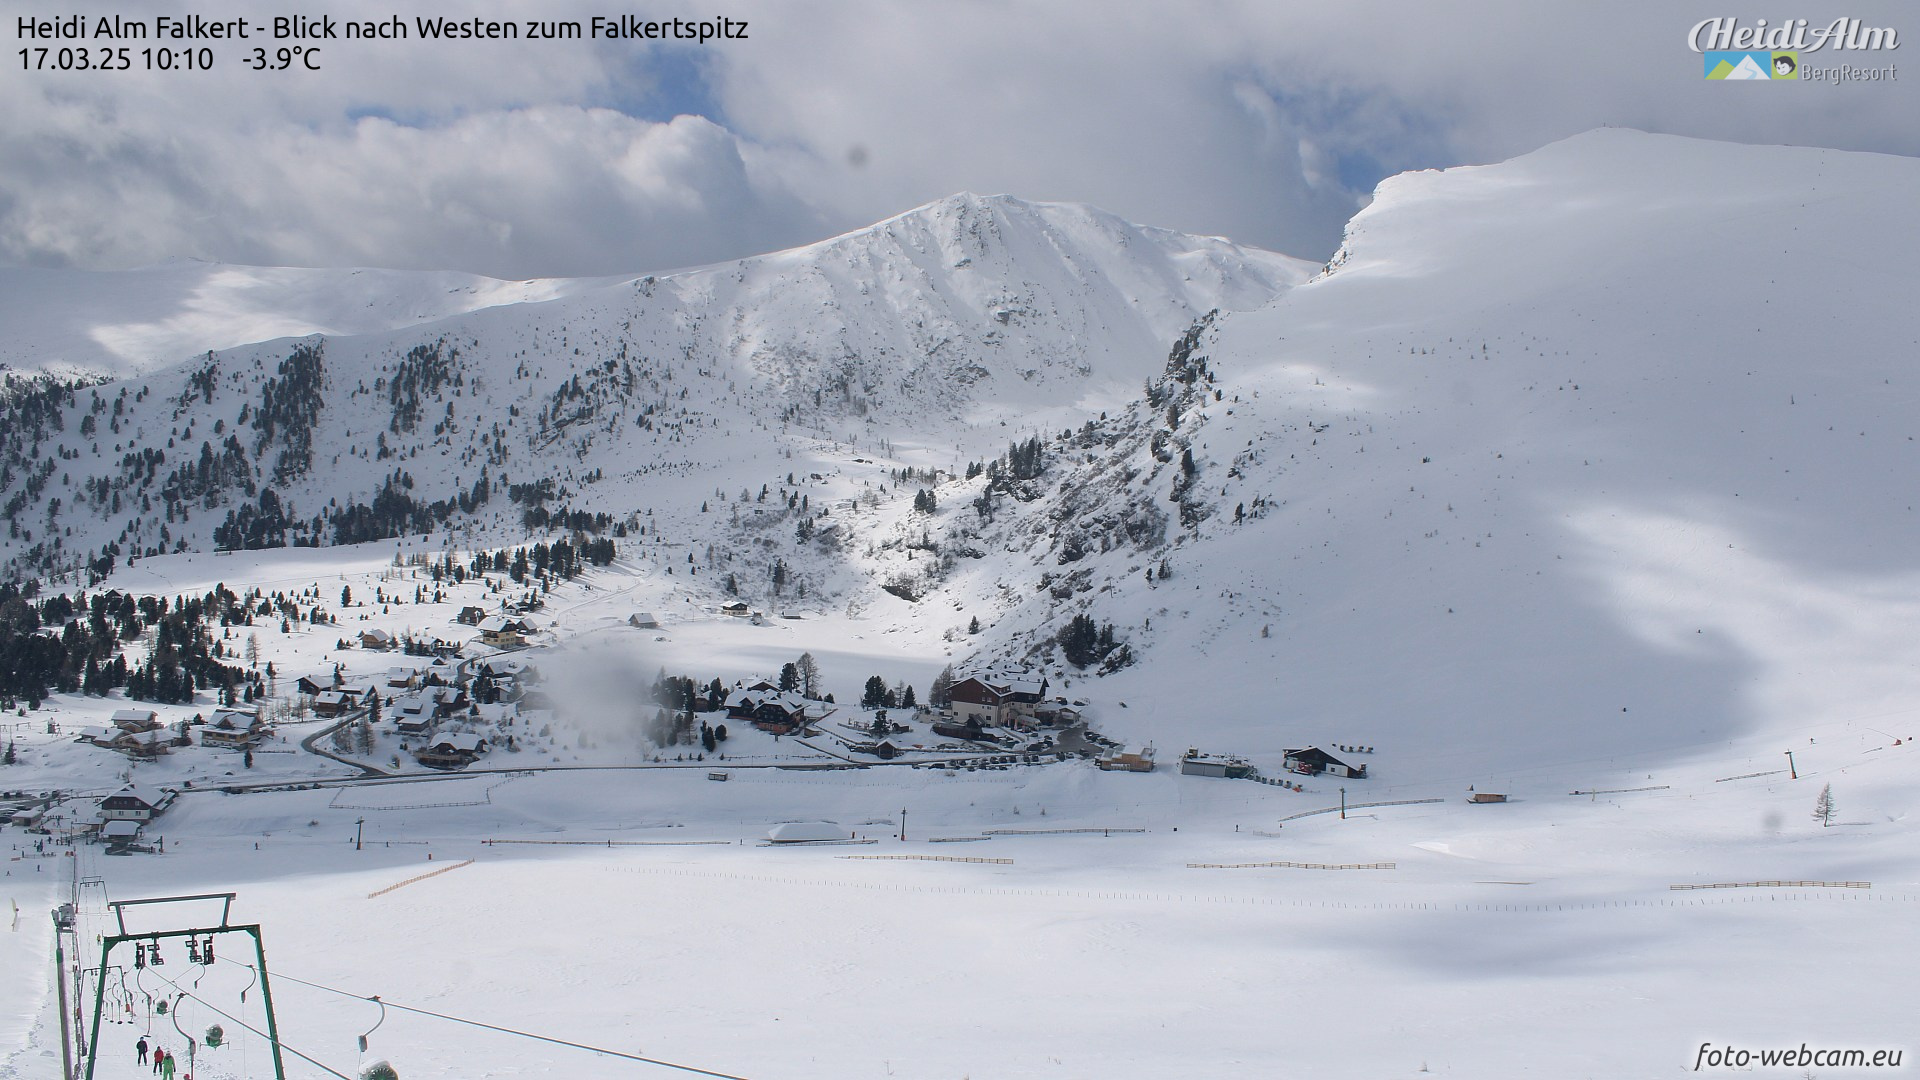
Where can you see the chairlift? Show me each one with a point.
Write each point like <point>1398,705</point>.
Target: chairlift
<point>378,1068</point>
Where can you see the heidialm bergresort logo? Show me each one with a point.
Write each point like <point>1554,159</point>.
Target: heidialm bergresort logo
<point>1753,65</point>
<point>1738,52</point>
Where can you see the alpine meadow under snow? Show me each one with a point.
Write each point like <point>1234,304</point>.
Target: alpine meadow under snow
<point>1585,479</point>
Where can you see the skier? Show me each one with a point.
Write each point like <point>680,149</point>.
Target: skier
<point>166,1068</point>
<point>141,1046</point>
<point>159,1058</point>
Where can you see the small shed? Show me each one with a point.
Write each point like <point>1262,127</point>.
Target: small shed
<point>1486,797</point>
<point>643,620</point>
<point>807,832</point>
<point>1128,761</point>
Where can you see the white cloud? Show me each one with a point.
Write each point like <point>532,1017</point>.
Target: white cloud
<point>1265,120</point>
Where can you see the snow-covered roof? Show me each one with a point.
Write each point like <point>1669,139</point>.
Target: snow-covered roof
<point>133,716</point>
<point>806,832</point>
<point>754,699</point>
<point>120,829</point>
<point>496,624</point>
<point>461,741</point>
<point>148,795</point>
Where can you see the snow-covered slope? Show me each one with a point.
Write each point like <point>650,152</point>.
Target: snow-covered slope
<point>923,335</point>
<point>1587,456</point>
<point>1597,453</point>
<point>117,323</point>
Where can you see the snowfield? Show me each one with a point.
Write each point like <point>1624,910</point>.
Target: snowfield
<point>1583,479</point>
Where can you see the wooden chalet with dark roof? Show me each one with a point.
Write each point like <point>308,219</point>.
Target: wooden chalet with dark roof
<point>234,729</point>
<point>1312,761</point>
<point>452,751</point>
<point>504,631</point>
<point>781,712</point>
<point>134,803</point>
<point>997,699</point>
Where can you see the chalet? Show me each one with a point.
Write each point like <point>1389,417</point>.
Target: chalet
<point>234,729</point>
<point>330,703</point>
<point>1195,763</point>
<point>452,751</point>
<point>1312,761</point>
<point>498,666</point>
<point>738,609</point>
<point>401,678</point>
<point>413,715</point>
<point>503,632</point>
<point>957,729</point>
<point>778,711</point>
<point>309,686</point>
<point>643,620</point>
<point>446,700</point>
<point>470,615</point>
<point>137,721</point>
<point>999,699</point>
<point>133,803</point>
<point>146,745</point>
<point>376,639</point>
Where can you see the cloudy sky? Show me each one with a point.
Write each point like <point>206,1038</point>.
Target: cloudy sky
<point>1267,121</point>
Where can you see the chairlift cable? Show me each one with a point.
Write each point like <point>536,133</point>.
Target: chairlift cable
<point>249,1027</point>
<point>514,1031</point>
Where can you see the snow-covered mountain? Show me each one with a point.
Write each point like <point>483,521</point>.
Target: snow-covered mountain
<point>1591,455</point>
<point>1600,452</point>
<point>925,334</point>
